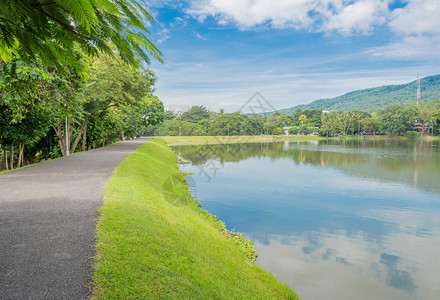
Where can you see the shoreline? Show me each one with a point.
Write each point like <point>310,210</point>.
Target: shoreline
<point>200,140</point>
<point>154,241</point>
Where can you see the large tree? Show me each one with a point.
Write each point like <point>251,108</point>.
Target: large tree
<point>398,118</point>
<point>121,95</point>
<point>50,29</point>
<point>195,114</point>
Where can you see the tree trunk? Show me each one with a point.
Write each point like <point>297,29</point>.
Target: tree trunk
<point>20,155</point>
<point>78,137</point>
<point>5,158</point>
<point>423,128</point>
<point>83,148</point>
<point>11,163</point>
<point>60,136</point>
<point>122,134</point>
<point>69,132</point>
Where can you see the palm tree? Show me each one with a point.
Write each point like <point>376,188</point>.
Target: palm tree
<point>302,119</point>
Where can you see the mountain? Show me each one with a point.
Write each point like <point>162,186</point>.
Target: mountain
<point>377,98</point>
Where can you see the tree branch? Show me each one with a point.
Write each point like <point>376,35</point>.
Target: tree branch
<point>46,4</point>
<point>67,27</point>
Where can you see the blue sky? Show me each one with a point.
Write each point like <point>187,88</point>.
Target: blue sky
<point>218,53</point>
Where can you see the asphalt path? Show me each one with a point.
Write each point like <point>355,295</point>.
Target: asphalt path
<point>48,214</point>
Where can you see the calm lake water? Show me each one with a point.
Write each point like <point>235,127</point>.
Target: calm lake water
<point>335,219</point>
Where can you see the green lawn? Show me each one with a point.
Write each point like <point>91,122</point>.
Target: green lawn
<point>151,245</point>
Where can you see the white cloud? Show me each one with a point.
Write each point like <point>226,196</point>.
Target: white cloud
<point>164,35</point>
<point>359,17</point>
<point>180,21</point>
<point>199,36</point>
<point>417,17</point>
<point>410,48</point>
<point>323,15</point>
<point>418,27</point>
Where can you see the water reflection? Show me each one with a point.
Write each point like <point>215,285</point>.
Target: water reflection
<point>333,220</point>
<point>386,160</point>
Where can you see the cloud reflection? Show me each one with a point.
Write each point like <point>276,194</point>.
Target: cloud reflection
<point>346,265</point>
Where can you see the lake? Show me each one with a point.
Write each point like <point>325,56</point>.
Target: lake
<point>332,219</point>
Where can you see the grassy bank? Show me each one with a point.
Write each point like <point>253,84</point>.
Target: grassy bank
<point>156,246</point>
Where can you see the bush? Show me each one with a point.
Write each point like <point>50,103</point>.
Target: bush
<point>412,134</point>
<point>293,130</point>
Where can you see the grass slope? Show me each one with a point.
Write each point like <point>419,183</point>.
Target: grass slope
<point>377,98</point>
<point>148,248</point>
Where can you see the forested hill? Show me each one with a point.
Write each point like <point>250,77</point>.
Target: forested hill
<point>377,98</point>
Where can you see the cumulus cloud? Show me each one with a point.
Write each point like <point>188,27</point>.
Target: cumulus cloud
<point>358,17</point>
<point>417,25</point>
<point>417,17</point>
<point>322,15</point>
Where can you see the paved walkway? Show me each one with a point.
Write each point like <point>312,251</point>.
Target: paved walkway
<point>47,223</point>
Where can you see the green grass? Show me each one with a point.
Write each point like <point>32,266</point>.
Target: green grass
<point>150,249</point>
<point>430,138</point>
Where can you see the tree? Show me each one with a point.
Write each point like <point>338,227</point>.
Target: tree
<point>302,119</point>
<point>24,114</point>
<point>293,130</point>
<point>50,30</point>
<point>277,131</point>
<point>371,124</point>
<point>398,118</point>
<point>436,126</point>
<point>274,121</point>
<point>179,128</point>
<point>34,124</point>
<point>195,114</point>
<point>152,111</point>
<point>114,87</point>
<point>233,124</point>
<point>23,85</point>
<point>313,117</point>
<point>426,118</point>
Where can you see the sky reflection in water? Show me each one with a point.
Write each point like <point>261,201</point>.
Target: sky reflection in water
<point>334,220</point>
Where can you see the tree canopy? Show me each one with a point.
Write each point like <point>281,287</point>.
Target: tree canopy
<point>50,30</point>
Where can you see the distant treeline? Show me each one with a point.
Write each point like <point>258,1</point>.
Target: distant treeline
<point>396,119</point>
